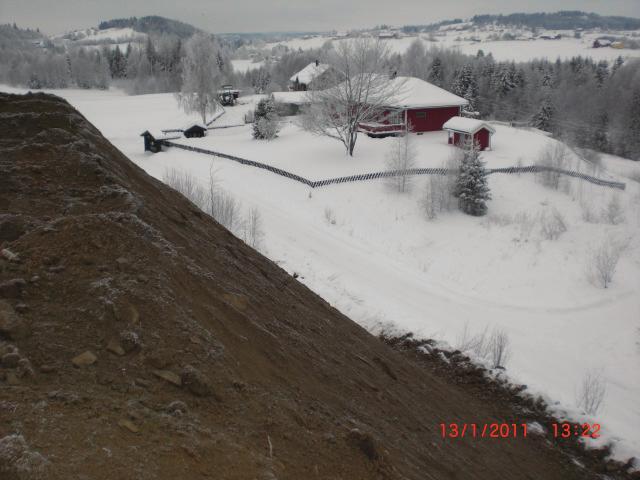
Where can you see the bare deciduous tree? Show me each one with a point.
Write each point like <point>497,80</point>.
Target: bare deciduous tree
<point>357,91</point>
<point>499,350</point>
<point>201,76</point>
<point>400,158</point>
<point>553,156</point>
<point>603,261</point>
<point>252,231</point>
<point>592,392</point>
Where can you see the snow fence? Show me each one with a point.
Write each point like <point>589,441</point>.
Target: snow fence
<point>394,173</point>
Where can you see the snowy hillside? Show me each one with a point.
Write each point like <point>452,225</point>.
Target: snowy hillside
<point>375,256</point>
<point>469,40</point>
<point>97,37</point>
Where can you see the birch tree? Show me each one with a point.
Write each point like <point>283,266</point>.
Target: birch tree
<point>356,91</point>
<point>201,76</point>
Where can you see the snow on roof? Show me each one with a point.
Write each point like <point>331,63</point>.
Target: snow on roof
<point>194,124</point>
<point>308,73</point>
<point>466,125</point>
<point>296,98</point>
<point>414,93</point>
<point>160,135</point>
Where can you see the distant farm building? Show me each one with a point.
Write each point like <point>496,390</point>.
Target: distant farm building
<point>462,129</point>
<point>313,75</point>
<point>194,130</point>
<point>418,106</point>
<point>153,140</point>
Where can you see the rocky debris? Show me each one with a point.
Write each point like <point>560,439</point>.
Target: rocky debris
<point>12,326</point>
<point>141,382</point>
<point>9,255</point>
<point>195,382</point>
<point>12,379</point>
<point>177,407</point>
<point>169,376</point>
<point>114,347</point>
<point>122,263</point>
<point>365,442</point>
<point>11,360</point>
<point>12,227</point>
<point>18,461</point>
<point>84,359</point>
<point>22,308</point>
<point>12,288</point>
<point>24,368</point>
<point>128,425</point>
<point>130,341</point>
<point>46,368</point>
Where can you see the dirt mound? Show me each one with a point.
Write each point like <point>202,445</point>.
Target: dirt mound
<point>141,340</point>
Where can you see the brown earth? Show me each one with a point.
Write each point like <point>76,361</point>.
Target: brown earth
<point>141,340</point>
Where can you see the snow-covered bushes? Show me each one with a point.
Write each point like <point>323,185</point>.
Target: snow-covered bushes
<point>265,124</point>
<point>218,203</point>
<point>188,185</point>
<point>603,261</point>
<point>401,157</point>
<point>553,156</point>
<point>499,349</point>
<point>592,392</point>
<point>329,216</point>
<point>494,348</point>
<point>438,195</point>
<point>252,232</point>
<point>613,212</point>
<point>552,224</point>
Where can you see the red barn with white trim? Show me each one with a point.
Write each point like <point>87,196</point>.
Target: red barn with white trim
<point>461,128</point>
<point>422,105</point>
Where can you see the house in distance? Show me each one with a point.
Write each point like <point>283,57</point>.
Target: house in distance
<point>310,76</point>
<point>418,107</point>
<point>461,129</point>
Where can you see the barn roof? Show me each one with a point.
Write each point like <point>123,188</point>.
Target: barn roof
<point>308,73</point>
<point>416,93</point>
<point>466,125</point>
<point>160,135</point>
<point>296,98</point>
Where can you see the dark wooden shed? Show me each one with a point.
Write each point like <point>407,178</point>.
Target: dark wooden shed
<point>195,130</point>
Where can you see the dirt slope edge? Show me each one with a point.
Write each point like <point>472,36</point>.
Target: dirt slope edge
<point>142,340</point>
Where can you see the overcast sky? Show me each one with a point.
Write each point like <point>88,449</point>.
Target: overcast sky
<point>216,16</point>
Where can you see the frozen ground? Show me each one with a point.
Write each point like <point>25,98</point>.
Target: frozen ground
<point>372,254</point>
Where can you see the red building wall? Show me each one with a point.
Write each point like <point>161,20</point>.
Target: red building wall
<point>433,119</point>
<point>482,137</point>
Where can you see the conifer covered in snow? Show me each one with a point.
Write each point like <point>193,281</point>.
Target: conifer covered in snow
<point>265,124</point>
<point>543,119</point>
<point>471,187</point>
<point>466,86</point>
<point>435,72</point>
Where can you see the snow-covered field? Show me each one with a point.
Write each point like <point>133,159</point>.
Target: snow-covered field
<point>373,254</point>
<point>516,50</point>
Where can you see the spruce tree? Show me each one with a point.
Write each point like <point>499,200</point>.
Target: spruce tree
<point>544,118</point>
<point>435,72</point>
<point>472,189</point>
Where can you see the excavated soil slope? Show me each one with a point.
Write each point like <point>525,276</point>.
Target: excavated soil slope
<point>141,340</point>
